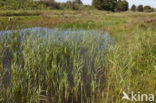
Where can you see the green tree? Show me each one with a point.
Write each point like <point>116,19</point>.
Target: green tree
<point>140,8</point>
<point>78,1</point>
<point>104,4</point>
<point>97,4</point>
<point>148,9</point>
<point>133,8</point>
<point>121,6</point>
<point>71,5</point>
<point>109,5</point>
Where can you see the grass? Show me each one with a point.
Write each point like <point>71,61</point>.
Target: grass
<point>77,72</point>
<point>132,65</point>
<point>20,13</point>
<point>52,71</point>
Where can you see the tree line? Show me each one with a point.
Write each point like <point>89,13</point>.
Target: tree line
<point>109,5</point>
<point>119,5</point>
<point>142,8</point>
<point>38,4</point>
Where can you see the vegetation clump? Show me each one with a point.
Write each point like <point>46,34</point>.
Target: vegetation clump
<point>21,4</point>
<point>148,9</point>
<point>110,5</point>
<point>71,5</point>
<point>78,1</point>
<point>51,3</point>
<point>133,8</point>
<point>140,8</point>
<point>104,4</point>
<point>121,6</point>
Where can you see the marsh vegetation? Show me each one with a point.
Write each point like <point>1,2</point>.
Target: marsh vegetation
<point>76,56</point>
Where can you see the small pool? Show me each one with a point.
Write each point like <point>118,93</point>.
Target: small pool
<point>59,35</point>
<point>85,40</point>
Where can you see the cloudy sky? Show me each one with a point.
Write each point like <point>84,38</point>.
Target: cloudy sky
<point>131,2</point>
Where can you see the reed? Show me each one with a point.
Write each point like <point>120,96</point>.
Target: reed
<point>53,70</point>
<point>50,70</point>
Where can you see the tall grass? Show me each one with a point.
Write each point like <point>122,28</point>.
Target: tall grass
<point>69,71</point>
<point>131,65</point>
<point>50,70</point>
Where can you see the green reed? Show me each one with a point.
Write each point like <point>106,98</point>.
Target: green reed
<point>70,71</point>
<point>48,70</point>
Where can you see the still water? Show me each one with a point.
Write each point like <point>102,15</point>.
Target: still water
<point>99,39</point>
<point>59,34</point>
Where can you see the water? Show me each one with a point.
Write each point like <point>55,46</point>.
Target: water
<point>100,39</point>
<point>59,34</point>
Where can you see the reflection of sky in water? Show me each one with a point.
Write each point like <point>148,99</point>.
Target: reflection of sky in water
<point>59,35</point>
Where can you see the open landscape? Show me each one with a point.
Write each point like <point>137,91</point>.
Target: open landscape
<point>78,54</point>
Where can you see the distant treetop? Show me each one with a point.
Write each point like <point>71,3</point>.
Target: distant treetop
<point>78,1</point>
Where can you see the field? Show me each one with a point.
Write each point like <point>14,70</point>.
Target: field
<point>77,72</point>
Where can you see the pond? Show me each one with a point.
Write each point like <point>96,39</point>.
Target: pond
<point>59,34</point>
<point>98,39</point>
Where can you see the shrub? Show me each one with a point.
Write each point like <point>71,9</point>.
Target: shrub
<point>97,4</point>
<point>108,5</point>
<point>78,1</point>
<point>133,8</point>
<point>121,6</point>
<point>2,3</point>
<point>140,8</point>
<point>148,9</point>
<point>72,5</point>
<point>51,3</point>
<point>104,4</point>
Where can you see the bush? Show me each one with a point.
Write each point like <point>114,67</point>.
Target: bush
<point>78,1</point>
<point>121,6</point>
<point>2,3</point>
<point>148,9</point>
<point>72,5</point>
<point>51,3</point>
<point>108,5</point>
<point>133,8</point>
<point>97,4</point>
<point>140,8</point>
<point>104,5</point>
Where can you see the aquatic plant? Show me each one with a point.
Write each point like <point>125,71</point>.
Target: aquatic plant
<point>52,69</point>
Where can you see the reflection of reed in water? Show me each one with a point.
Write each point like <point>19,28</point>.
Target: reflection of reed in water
<point>7,58</point>
<point>7,55</point>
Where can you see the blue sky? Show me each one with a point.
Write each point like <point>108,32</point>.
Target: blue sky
<point>131,2</point>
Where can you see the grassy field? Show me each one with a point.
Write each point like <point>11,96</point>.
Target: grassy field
<point>62,73</point>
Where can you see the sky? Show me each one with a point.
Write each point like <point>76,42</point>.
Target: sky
<point>131,2</point>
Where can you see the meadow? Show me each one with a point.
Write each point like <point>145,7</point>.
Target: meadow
<point>34,70</point>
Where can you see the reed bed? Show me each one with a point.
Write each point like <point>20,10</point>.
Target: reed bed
<point>56,70</point>
<point>51,70</point>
